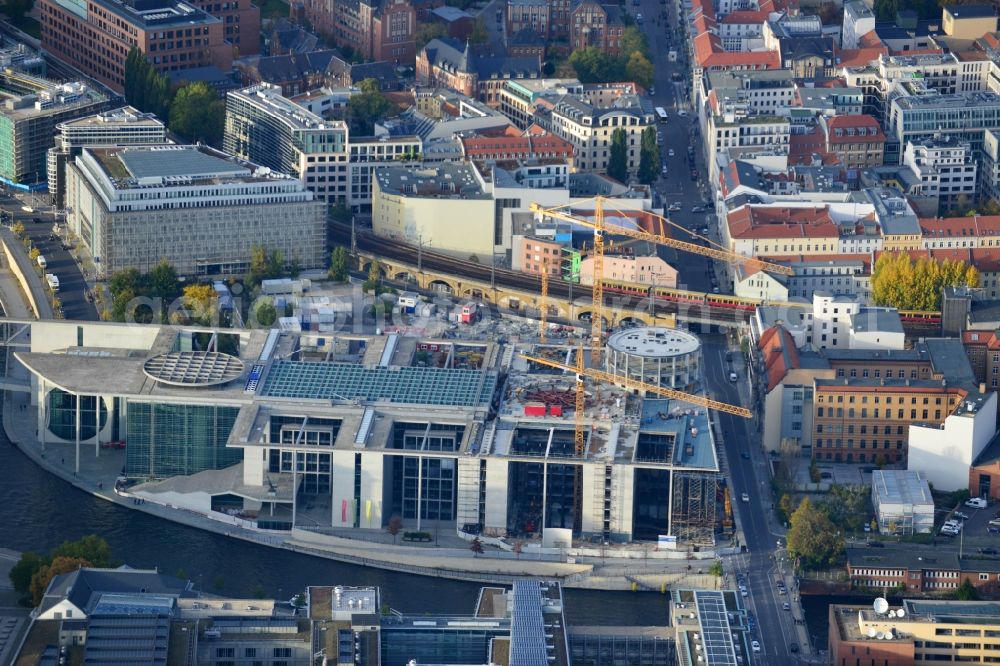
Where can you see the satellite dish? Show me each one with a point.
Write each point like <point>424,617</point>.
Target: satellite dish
<point>901,613</point>
<point>880,605</point>
<point>880,636</point>
<point>872,632</point>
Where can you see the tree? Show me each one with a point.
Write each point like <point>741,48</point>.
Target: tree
<point>22,572</point>
<point>786,507</point>
<point>265,313</point>
<point>899,282</point>
<point>59,565</point>
<point>18,229</point>
<point>145,88</point>
<point>201,301</point>
<point>649,157</point>
<point>476,547</point>
<point>885,10</point>
<point>198,114</point>
<point>339,264</point>
<point>813,538</point>
<point>394,527</point>
<point>368,107</point>
<point>163,281</point>
<point>426,31</point>
<point>258,264</point>
<point>518,548</point>
<point>716,569</point>
<point>16,9</point>
<point>594,66</point>
<point>618,161</point>
<point>92,548</point>
<point>966,591</point>
<point>374,281</point>
<point>639,69</point>
<point>479,33</point>
<point>634,41</point>
<point>340,213</point>
<point>847,507</point>
<point>989,207</point>
<point>33,254</point>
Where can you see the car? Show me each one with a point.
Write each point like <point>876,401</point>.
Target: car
<point>638,19</point>
<point>676,76</point>
<point>674,208</point>
<point>960,516</point>
<point>694,175</point>
<point>876,544</point>
<point>682,113</point>
<point>697,209</point>
<point>782,591</point>
<point>745,455</point>
<point>786,606</point>
<point>976,503</point>
<point>652,90</point>
<point>994,522</point>
<point>755,646</point>
<point>988,551</point>
<point>670,153</point>
<point>793,648</point>
<point>733,377</point>
<point>993,530</point>
<point>664,170</point>
<point>745,497</point>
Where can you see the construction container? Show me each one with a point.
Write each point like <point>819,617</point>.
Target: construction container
<point>534,409</point>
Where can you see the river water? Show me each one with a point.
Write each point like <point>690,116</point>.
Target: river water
<point>39,511</point>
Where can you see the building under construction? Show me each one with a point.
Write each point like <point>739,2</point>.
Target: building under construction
<point>342,431</point>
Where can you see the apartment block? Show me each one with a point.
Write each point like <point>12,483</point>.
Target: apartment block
<point>200,210</point>
<point>446,63</point>
<point>924,115</point>
<point>589,127</point>
<point>95,36</point>
<point>265,128</point>
<point>33,108</point>
<point>857,140</point>
<point>120,127</point>
<point>596,25</point>
<point>946,168</point>
<point>371,29</point>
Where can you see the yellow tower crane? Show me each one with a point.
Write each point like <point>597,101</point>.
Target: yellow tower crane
<point>633,384</point>
<point>601,226</point>
<point>543,310</point>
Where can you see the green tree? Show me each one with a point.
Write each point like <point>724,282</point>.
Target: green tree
<point>265,313</point>
<point>367,107</point>
<point>135,78</point>
<point>92,548</point>
<point>340,213</point>
<point>339,264</point>
<point>618,160</point>
<point>716,569</point>
<point>885,10</point>
<point>163,282</point>
<point>639,69</point>
<point>966,591</point>
<point>122,280</point>
<point>16,9</point>
<point>594,66</point>
<point>198,114</point>
<point>634,41</point>
<point>22,572</point>
<point>898,281</point>
<point>59,565</point>
<point>847,507</point>
<point>157,93</point>
<point>374,281</point>
<point>258,264</point>
<point>426,31</point>
<point>813,538</point>
<point>649,157</point>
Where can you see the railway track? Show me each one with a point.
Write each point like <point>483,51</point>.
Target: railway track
<point>433,261</point>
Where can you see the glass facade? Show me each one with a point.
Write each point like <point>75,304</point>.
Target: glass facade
<point>436,645</point>
<point>437,487</point>
<point>596,650</point>
<point>172,440</point>
<point>62,415</point>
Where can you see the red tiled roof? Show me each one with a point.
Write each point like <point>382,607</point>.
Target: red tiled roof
<point>746,16</point>
<point>708,53</point>
<point>860,57</point>
<point>781,222</point>
<point>981,338</point>
<point>778,353</point>
<point>960,227</point>
<point>913,52</point>
<point>865,258</point>
<point>802,147</point>
<point>870,40</point>
<point>861,121</point>
<point>516,145</point>
<point>986,259</point>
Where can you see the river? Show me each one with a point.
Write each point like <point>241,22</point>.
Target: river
<point>39,511</point>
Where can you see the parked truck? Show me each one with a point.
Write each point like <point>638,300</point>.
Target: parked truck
<point>41,262</point>
<point>53,281</point>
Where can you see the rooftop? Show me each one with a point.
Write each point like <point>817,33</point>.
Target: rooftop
<point>439,181</point>
<point>900,486</point>
<point>154,14</point>
<point>654,342</point>
<point>970,11</point>
<point>23,95</point>
<point>270,98</point>
<point>125,115</point>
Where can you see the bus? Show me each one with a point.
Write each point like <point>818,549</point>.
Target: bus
<point>661,113</point>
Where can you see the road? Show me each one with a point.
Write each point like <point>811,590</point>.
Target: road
<point>72,285</point>
<point>747,473</point>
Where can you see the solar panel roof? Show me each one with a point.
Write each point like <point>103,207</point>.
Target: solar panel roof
<point>527,630</point>
<point>145,163</point>
<point>716,636</point>
<point>408,385</point>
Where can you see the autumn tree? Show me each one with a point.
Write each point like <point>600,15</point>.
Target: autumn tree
<point>374,281</point>
<point>813,538</point>
<point>900,282</point>
<point>639,69</point>
<point>394,527</point>
<point>649,157</point>
<point>476,547</point>
<point>59,565</point>
<point>618,160</point>
<point>847,507</point>
<point>201,301</point>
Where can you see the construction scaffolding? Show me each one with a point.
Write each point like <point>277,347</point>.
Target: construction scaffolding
<point>693,507</point>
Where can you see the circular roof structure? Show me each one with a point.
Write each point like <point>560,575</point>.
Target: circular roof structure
<point>193,368</point>
<point>653,342</point>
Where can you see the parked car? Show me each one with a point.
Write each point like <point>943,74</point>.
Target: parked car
<point>670,153</point>
<point>733,377</point>
<point>697,209</point>
<point>745,497</point>
<point>745,455</point>
<point>960,516</point>
<point>988,551</point>
<point>786,606</point>
<point>993,530</point>
<point>755,646</point>
<point>976,503</point>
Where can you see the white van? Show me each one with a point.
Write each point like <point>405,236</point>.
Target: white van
<point>53,281</point>
<point>41,261</point>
